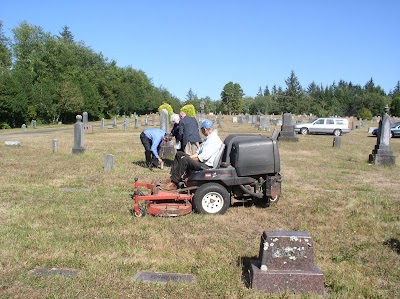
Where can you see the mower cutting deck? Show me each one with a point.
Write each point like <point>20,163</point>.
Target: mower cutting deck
<point>149,198</point>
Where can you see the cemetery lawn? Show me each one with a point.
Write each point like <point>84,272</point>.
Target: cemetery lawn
<point>59,210</point>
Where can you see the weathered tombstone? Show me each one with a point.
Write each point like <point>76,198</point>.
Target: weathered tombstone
<point>60,123</point>
<point>136,122</point>
<point>234,119</point>
<point>55,145</point>
<point>164,123</point>
<point>287,131</point>
<point>102,123</point>
<point>125,124</point>
<point>337,141</point>
<point>167,149</point>
<point>286,263</point>
<point>85,118</point>
<point>202,103</point>
<point>382,153</point>
<point>12,143</point>
<point>33,123</point>
<point>79,146</point>
<point>264,121</point>
<point>23,127</point>
<point>146,121</point>
<point>114,125</point>
<point>109,162</point>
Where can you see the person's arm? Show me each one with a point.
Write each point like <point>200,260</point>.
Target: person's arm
<point>154,147</point>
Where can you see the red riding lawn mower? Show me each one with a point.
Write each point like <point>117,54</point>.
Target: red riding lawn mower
<point>246,171</point>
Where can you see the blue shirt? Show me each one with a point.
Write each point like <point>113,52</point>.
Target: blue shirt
<point>156,136</point>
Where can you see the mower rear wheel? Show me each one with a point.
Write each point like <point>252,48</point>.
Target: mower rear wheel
<point>211,198</point>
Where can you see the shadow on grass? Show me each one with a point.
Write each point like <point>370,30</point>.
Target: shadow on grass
<point>167,163</point>
<point>393,244</point>
<point>245,263</point>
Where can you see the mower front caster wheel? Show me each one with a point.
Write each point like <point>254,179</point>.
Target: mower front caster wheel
<point>142,212</point>
<point>211,198</point>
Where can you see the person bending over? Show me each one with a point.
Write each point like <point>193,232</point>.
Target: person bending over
<point>151,140</point>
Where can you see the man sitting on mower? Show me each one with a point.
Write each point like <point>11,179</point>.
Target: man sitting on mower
<point>202,159</point>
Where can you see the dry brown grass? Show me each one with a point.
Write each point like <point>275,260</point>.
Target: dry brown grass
<point>64,210</point>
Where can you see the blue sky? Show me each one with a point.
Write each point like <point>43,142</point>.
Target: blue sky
<point>202,45</point>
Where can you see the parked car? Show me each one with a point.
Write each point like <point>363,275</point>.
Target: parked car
<point>335,126</point>
<point>394,130</point>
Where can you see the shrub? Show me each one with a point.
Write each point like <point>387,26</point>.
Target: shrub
<point>4,126</point>
<point>189,110</point>
<point>167,107</point>
<point>365,113</point>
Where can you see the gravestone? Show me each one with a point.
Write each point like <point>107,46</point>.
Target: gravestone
<point>109,162</point>
<point>136,122</point>
<point>234,119</point>
<point>287,131</point>
<point>146,121</point>
<point>68,272</point>
<point>286,263</point>
<point>159,277</point>
<point>79,146</point>
<point>125,124</point>
<point>12,143</point>
<point>164,123</point>
<point>114,125</point>
<point>33,123</point>
<point>167,149</point>
<point>55,145</point>
<point>337,141</point>
<point>23,127</point>
<point>85,118</point>
<point>264,121</point>
<point>102,123</point>
<point>382,153</point>
<point>202,103</point>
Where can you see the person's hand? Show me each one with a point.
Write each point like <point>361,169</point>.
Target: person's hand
<point>160,160</point>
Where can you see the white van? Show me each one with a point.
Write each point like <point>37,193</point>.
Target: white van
<point>335,126</point>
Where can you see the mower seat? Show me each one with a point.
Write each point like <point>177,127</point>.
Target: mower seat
<point>218,157</point>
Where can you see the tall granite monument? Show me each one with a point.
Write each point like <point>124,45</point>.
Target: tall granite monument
<point>382,153</point>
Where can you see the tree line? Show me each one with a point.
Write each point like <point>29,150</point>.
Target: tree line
<point>52,78</point>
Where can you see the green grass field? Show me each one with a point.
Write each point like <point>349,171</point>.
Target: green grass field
<point>59,210</point>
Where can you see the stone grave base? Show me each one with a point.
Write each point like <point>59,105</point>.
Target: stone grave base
<point>288,136</point>
<point>382,159</point>
<point>275,281</point>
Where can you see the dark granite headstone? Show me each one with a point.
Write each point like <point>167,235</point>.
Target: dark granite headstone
<point>286,263</point>
<point>287,130</point>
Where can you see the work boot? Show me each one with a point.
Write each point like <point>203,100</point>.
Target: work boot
<point>169,187</point>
